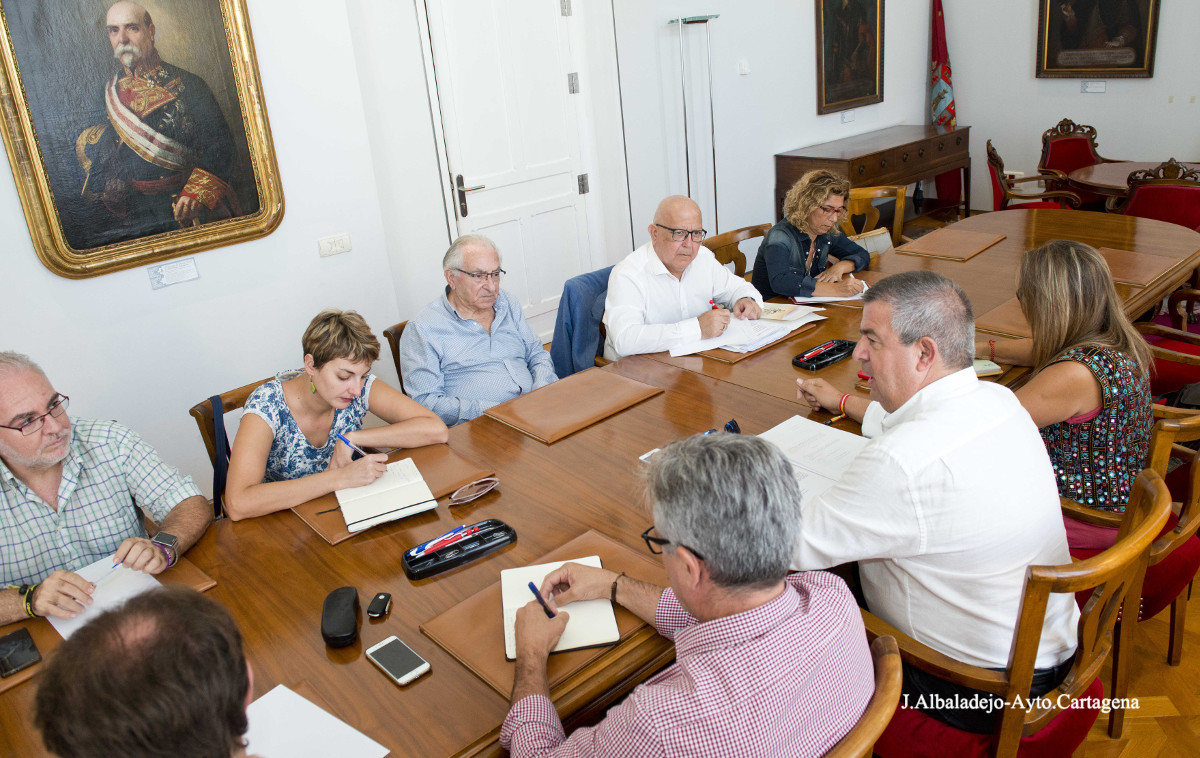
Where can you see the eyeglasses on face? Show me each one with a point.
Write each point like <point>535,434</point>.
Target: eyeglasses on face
<point>832,210</point>
<point>656,544</point>
<point>678,235</point>
<point>481,276</point>
<point>57,407</point>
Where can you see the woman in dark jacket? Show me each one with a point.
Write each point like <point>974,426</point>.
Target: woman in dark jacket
<point>791,264</point>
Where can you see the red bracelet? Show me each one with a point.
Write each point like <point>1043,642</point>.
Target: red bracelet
<point>842,405</point>
<point>992,350</point>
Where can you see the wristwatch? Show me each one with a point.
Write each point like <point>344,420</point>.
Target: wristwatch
<point>167,543</point>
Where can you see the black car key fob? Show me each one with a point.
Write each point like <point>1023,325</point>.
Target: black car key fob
<point>380,605</point>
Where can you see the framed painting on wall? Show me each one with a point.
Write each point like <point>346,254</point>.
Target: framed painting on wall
<point>136,132</point>
<point>849,54</point>
<point>1105,39</point>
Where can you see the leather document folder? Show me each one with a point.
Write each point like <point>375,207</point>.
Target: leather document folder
<point>951,244</point>
<point>184,573</point>
<point>564,407</point>
<point>1138,269</point>
<point>443,470</point>
<point>1006,318</point>
<point>473,630</point>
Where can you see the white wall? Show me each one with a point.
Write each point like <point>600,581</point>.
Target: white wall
<point>992,52</point>
<point>768,111</point>
<point>123,351</point>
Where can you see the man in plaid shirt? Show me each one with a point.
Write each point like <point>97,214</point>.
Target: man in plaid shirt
<point>73,491</point>
<point>766,664</point>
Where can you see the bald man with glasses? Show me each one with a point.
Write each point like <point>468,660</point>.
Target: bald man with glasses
<point>471,348</point>
<point>75,491</point>
<point>671,290</point>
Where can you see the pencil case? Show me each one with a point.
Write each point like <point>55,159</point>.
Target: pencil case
<point>836,350</point>
<point>493,534</point>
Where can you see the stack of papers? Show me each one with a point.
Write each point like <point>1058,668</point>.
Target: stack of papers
<point>400,492</point>
<point>785,312</point>
<point>819,454</point>
<point>745,335</point>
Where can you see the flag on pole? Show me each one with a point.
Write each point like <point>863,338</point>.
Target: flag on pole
<point>941,105</point>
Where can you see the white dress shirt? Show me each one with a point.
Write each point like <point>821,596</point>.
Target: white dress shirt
<point>944,508</point>
<point>648,310</point>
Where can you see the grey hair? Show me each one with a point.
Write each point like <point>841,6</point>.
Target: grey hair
<point>925,304</point>
<point>453,257</point>
<point>12,361</point>
<point>734,500</point>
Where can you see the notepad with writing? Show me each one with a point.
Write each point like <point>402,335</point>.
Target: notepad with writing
<point>592,622</point>
<point>400,492</point>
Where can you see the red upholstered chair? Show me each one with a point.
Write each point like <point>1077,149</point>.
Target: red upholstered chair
<point>1176,350</point>
<point>1065,147</point>
<point>1168,192</point>
<point>1046,729</point>
<point>1003,194</point>
<point>1175,554</point>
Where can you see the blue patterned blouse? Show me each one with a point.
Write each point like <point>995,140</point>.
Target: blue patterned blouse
<point>292,455</point>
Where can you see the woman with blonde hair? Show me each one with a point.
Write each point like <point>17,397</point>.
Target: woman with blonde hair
<point>1090,391</point>
<point>289,446</point>
<point>805,254</point>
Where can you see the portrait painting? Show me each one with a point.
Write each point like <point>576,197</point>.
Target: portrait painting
<point>140,132</point>
<point>1079,39</point>
<point>849,54</point>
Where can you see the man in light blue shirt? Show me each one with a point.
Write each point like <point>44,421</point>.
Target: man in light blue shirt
<point>471,348</point>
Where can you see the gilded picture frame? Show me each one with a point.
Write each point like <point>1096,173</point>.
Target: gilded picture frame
<point>1102,39</point>
<point>849,54</point>
<point>119,167</point>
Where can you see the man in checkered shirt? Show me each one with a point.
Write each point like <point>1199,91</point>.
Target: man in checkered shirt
<point>766,664</point>
<point>74,491</point>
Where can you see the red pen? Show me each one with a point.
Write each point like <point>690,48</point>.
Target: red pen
<point>714,305</point>
<point>817,350</point>
<point>863,376</point>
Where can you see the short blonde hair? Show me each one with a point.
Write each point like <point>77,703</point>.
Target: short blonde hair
<point>1068,297</point>
<point>812,190</point>
<point>337,334</point>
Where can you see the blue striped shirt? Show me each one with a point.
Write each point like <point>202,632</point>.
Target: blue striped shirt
<point>457,369</point>
<point>109,471</point>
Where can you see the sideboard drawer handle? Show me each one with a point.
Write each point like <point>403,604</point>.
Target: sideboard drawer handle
<point>883,162</point>
<point>862,169</point>
<point>941,146</point>
<point>958,140</point>
<point>921,153</point>
<point>904,157</point>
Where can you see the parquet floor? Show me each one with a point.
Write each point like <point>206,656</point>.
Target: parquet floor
<point>1166,723</point>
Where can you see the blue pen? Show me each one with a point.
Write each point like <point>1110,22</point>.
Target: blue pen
<point>436,542</point>
<point>352,446</point>
<point>533,588</point>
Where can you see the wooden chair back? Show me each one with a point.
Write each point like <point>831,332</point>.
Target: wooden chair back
<point>1170,431</point>
<point>205,420</point>
<point>1067,146</point>
<point>861,203</point>
<point>876,242</point>
<point>1115,575</point>
<point>860,740</point>
<point>725,245</point>
<point>392,335</point>
<point>1004,193</point>
<point>1168,192</point>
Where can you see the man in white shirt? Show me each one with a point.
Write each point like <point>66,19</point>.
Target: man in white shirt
<point>950,501</point>
<point>672,290</point>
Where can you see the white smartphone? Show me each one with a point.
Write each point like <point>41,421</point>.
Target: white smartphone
<point>397,660</point>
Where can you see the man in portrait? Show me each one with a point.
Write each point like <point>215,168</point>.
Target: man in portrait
<point>163,158</point>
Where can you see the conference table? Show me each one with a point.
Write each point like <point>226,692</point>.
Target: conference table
<point>1111,179</point>
<point>989,280</point>
<point>273,572</point>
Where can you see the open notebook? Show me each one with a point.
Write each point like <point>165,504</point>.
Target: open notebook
<point>592,622</point>
<point>400,492</point>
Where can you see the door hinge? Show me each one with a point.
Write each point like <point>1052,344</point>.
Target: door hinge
<point>565,5</point>
<point>573,83</point>
<point>583,184</point>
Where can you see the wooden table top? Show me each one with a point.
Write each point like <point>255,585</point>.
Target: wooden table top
<point>989,280</point>
<point>274,572</point>
<point>1111,178</point>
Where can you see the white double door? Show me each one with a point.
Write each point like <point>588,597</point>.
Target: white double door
<point>512,136</point>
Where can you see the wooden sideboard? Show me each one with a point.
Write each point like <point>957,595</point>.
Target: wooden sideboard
<point>896,155</point>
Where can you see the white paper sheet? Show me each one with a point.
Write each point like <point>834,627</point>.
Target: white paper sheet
<point>745,335</point>
<point>819,454</point>
<point>286,725</point>
<point>113,587</point>
<point>805,300</point>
